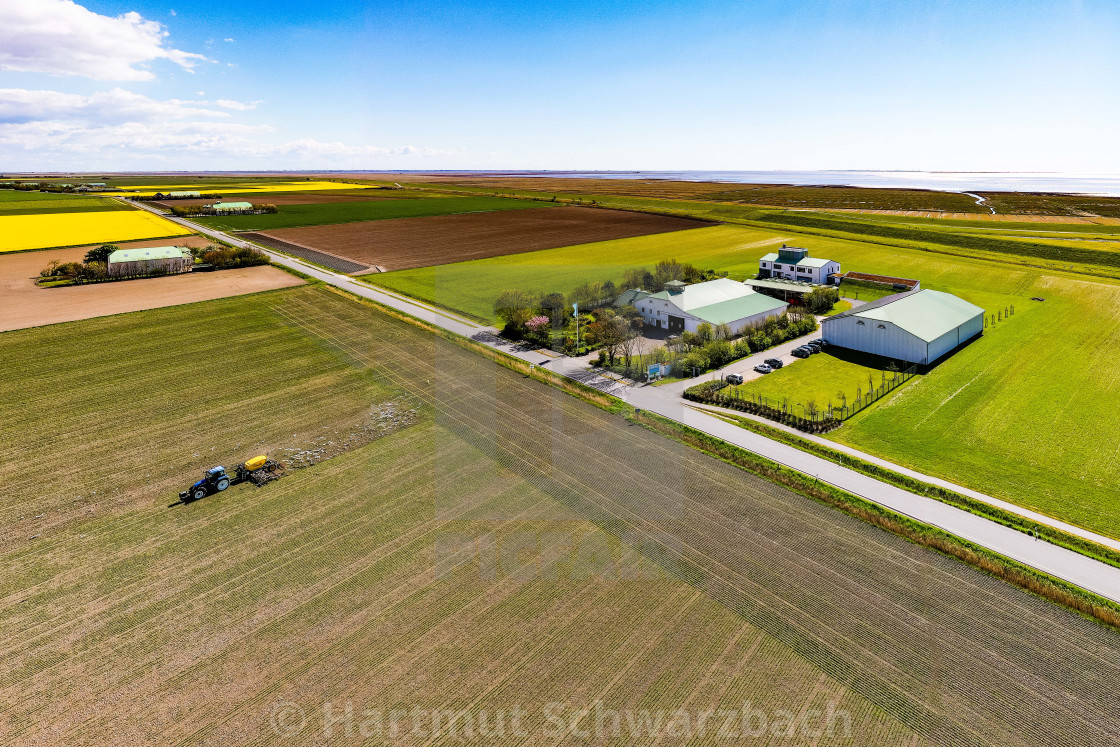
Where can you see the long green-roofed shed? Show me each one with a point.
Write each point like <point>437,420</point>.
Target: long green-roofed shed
<point>920,326</point>
<point>149,260</point>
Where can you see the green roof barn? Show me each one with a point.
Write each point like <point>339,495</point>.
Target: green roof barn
<point>918,327</point>
<point>149,260</point>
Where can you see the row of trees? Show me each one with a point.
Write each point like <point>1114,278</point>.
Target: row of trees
<point>710,347</point>
<point>187,211</point>
<point>94,267</point>
<point>517,307</point>
<point>653,281</point>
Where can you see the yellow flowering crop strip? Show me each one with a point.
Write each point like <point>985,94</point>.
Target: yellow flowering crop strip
<point>148,190</point>
<point>18,232</point>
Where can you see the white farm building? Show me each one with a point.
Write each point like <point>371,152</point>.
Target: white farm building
<point>794,263</point>
<point>917,327</point>
<point>683,307</point>
<point>151,260</point>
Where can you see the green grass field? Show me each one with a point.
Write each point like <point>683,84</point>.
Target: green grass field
<point>37,203</point>
<point>291,216</point>
<point>471,287</point>
<point>511,547</point>
<point>819,380</point>
<point>864,291</point>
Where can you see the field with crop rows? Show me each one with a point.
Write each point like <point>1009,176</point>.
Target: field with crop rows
<point>437,240</point>
<point>323,214</point>
<point>509,546</point>
<point>39,231</point>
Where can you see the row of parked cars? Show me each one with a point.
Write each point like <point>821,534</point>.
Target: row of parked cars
<point>772,364</point>
<point>809,348</point>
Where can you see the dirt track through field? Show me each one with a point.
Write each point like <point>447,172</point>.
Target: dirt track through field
<point>406,243</point>
<point>24,304</point>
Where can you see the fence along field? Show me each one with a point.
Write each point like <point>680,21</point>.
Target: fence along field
<point>330,585</point>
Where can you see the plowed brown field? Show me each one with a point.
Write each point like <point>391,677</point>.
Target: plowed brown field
<point>423,242</point>
<point>24,304</point>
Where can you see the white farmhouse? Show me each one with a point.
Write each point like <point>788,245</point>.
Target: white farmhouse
<point>683,307</point>
<point>794,263</point>
<point>917,327</point>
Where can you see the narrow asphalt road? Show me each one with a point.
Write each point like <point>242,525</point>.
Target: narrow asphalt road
<point>1070,566</point>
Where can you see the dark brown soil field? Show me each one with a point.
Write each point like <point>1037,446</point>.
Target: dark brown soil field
<point>423,242</point>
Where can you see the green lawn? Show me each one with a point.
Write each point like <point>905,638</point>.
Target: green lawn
<point>291,216</point>
<point>819,380</point>
<point>863,291</point>
<point>838,308</point>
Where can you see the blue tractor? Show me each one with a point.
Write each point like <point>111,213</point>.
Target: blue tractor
<point>257,470</point>
<point>214,480</point>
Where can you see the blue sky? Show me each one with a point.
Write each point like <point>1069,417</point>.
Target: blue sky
<point>595,85</point>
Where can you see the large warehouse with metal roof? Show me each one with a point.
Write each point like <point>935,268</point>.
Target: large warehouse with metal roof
<point>918,327</point>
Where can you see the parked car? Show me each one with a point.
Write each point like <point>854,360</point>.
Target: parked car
<point>801,352</point>
<point>733,379</point>
<point>762,368</point>
<point>774,362</point>
<point>816,345</point>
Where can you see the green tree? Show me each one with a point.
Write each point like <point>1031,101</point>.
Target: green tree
<point>515,307</point>
<point>100,254</point>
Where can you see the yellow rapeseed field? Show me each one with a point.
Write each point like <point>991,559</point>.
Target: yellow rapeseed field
<point>71,229</point>
<point>148,190</point>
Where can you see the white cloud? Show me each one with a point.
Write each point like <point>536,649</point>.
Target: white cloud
<point>239,106</point>
<point>20,105</point>
<point>118,129</point>
<point>228,40</point>
<point>63,38</point>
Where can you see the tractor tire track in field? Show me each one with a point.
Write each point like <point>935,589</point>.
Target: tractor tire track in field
<point>192,651</point>
<point>1004,670</point>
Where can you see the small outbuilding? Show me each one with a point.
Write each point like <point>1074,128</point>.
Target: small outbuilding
<point>225,208</point>
<point>150,260</point>
<point>917,327</point>
<point>183,195</point>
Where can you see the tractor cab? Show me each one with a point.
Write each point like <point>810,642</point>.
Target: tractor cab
<point>213,480</point>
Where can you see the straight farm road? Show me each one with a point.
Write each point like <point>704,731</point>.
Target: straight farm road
<point>1059,562</point>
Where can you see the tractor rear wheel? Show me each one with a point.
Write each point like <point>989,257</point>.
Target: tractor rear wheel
<point>198,494</point>
<point>222,484</point>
